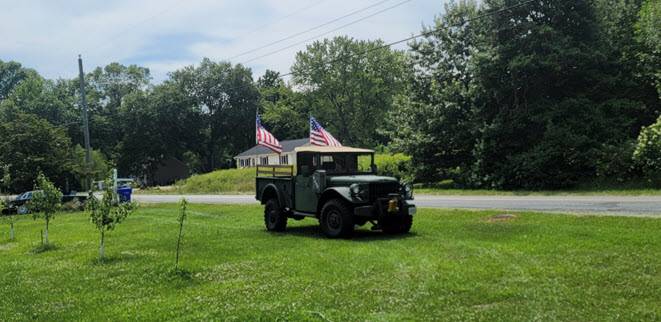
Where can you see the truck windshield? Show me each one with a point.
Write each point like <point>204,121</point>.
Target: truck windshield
<point>344,163</point>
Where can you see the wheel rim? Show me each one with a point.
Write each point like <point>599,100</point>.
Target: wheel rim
<point>272,216</point>
<point>334,220</point>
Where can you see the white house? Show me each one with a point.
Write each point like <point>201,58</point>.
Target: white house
<point>260,155</point>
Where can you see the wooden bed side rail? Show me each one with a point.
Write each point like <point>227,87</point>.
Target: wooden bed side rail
<point>275,170</point>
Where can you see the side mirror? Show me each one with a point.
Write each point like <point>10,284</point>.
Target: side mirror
<point>305,170</point>
<point>374,168</point>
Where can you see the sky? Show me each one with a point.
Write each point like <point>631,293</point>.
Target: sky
<point>165,35</point>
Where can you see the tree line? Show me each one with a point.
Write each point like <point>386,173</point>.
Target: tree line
<point>545,95</point>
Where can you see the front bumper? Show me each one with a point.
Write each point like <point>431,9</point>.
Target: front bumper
<point>380,209</point>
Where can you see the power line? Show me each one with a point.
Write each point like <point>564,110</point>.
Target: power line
<point>309,30</point>
<point>328,32</point>
<point>285,17</point>
<point>426,33</point>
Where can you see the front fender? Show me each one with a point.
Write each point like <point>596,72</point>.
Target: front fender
<point>335,193</point>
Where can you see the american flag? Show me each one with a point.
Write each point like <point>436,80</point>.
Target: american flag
<point>265,137</point>
<point>319,136</point>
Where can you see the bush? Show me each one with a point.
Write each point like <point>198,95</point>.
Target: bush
<point>648,151</point>
<point>397,165</point>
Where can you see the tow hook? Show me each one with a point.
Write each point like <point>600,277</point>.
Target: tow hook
<point>392,206</point>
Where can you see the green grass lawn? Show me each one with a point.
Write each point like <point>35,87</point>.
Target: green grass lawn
<point>455,265</point>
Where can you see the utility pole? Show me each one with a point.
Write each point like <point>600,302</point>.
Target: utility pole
<point>86,129</point>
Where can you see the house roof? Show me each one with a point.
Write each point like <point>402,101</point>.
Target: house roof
<point>331,149</point>
<point>287,146</point>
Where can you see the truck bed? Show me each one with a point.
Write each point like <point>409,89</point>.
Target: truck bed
<point>282,177</point>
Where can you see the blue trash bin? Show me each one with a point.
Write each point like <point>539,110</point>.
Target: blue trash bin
<point>124,194</point>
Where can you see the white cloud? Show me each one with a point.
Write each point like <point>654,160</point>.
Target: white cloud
<point>168,34</point>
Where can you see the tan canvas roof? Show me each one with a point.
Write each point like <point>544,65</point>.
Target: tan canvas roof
<point>331,149</point>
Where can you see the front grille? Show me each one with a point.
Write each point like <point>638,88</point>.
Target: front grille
<point>382,189</point>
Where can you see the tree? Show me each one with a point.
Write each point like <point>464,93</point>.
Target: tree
<point>107,213</point>
<point>228,99</point>
<point>433,121</point>
<point>46,201</point>
<point>105,90</point>
<point>648,35</point>
<point>30,144</point>
<point>351,84</point>
<point>157,125</point>
<point>283,109</point>
<point>10,219</point>
<point>183,204</point>
<point>11,74</point>
<point>648,151</point>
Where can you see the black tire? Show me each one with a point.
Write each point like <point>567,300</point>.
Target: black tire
<point>274,218</point>
<point>397,225</point>
<point>336,219</point>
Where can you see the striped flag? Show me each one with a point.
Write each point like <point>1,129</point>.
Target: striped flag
<point>319,136</point>
<point>265,137</point>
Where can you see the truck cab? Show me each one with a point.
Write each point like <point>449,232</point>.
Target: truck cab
<point>339,186</point>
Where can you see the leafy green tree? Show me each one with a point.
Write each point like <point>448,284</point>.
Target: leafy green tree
<point>648,151</point>
<point>157,125</point>
<point>183,205</point>
<point>11,74</point>
<point>30,144</point>
<point>648,35</point>
<point>107,213</point>
<point>105,90</point>
<point>283,109</point>
<point>351,84</point>
<point>434,121</point>
<point>46,201</point>
<point>228,99</point>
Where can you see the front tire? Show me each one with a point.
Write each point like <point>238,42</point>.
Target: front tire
<point>336,219</point>
<point>274,218</point>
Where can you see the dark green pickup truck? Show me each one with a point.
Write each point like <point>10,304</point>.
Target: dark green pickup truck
<point>328,183</point>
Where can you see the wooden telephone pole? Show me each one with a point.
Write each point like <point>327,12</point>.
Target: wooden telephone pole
<point>86,129</point>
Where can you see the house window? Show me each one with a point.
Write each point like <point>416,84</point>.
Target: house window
<point>241,163</point>
<point>284,159</point>
<point>264,161</point>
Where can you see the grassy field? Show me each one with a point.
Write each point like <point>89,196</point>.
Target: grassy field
<point>455,265</point>
<point>228,181</point>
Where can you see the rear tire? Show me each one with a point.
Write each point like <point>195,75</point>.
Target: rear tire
<point>274,218</point>
<point>336,219</point>
<point>397,225</point>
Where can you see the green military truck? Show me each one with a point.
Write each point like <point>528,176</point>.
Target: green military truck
<point>339,187</point>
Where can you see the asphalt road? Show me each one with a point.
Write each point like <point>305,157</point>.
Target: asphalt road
<point>607,205</point>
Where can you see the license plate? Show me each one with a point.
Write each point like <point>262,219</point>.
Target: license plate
<point>412,210</point>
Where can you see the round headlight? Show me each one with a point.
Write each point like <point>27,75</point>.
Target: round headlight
<point>354,188</point>
<point>408,191</point>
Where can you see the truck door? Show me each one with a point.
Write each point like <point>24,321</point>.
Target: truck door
<point>305,197</point>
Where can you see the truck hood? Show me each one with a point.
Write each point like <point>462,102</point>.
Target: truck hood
<point>361,178</point>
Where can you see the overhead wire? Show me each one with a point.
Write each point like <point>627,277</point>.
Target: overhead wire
<point>328,32</point>
<point>309,30</point>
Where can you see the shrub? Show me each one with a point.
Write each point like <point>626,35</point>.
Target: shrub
<point>648,151</point>
<point>393,165</point>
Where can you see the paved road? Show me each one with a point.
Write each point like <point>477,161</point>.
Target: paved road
<point>609,205</point>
